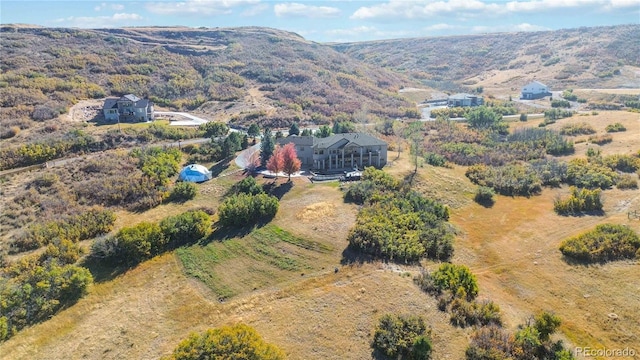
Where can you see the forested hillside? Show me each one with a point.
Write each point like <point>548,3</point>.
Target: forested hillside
<point>585,57</point>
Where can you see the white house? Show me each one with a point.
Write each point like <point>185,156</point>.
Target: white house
<point>535,90</point>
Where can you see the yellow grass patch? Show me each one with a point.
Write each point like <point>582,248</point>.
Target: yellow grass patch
<point>317,211</point>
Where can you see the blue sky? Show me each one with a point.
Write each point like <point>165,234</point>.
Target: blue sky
<point>331,20</point>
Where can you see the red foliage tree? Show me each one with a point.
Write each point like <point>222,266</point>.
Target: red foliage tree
<point>275,164</point>
<point>290,158</point>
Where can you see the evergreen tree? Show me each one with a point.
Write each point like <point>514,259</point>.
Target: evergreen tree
<point>294,129</point>
<point>253,130</point>
<point>266,147</point>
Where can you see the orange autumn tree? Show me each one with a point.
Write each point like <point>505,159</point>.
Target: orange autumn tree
<point>275,164</point>
<point>291,163</point>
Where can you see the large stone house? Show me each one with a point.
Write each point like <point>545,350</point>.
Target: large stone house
<point>464,100</point>
<point>128,108</point>
<point>338,152</point>
<point>535,90</point>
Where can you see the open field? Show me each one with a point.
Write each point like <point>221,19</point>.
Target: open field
<point>280,278</point>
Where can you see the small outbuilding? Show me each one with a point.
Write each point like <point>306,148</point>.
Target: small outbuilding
<point>195,173</point>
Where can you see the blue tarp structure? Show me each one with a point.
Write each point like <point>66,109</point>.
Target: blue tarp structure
<point>195,173</point>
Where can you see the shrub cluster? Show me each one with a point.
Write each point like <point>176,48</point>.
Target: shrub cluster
<point>133,245</point>
<point>577,129</point>
<point>434,159</point>
<point>473,313</point>
<point>617,127</point>
<point>531,341</point>
<point>455,279</point>
<point>74,228</point>
<point>560,104</point>
<point>510,180</point>
<point>600,139</point>
<point>590,173</point>
<point>580,200</point>
<point>37,286</point>
<point>556,114</point>
<point>552,172</point>
<point>402,337</point>
<point>626,182</point>
<point>158,164</point>
<point>607,242</point>
<point>620,162</point>
<point>456,289</point>
<point>246,209</point>
<point>533,138</point>
<point>247,185</point>
<point>183,191</point>
<point>397,223</point>
<point>228,342</point>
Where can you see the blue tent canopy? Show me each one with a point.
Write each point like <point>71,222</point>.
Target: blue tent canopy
<point>194,173</point>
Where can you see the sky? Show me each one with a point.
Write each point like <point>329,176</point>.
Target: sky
<point>331,20</point>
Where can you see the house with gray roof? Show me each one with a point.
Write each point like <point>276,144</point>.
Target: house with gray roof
<point>464,100</point>
<point>128,108</point>
<point>338,152</point>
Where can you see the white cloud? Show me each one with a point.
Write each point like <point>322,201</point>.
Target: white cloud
<point>438,27</point>
<point>524,27</point>
<point>423,9</point>
<point>197,7</point>
<point>119,19</point>
<point>363,33</point>
<point>104,6</point>
<point>255,10</point>
<point>297,9</point>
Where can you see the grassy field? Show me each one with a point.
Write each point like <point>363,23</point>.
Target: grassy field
<point>280,278</point>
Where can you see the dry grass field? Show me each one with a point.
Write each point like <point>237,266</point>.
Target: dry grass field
<point>312,312</point>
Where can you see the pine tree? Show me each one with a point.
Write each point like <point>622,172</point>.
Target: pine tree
<point>291,163</point>
<point>266,147</point>
<point>294,129</point>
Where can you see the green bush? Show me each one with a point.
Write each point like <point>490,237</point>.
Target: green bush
<point>590,174</point>
<point>402,337</point>
<point>560,104</point>
<point>524,117</point>
<point>455,279</point>
<point>484,195</point>
<point>607,242</point>
<point>247,185</point>
<point>435,159</point>
<point>245,209</point>
<point>556,114</point>
<point>185,228</point>
<point>228,342</point>
<point>374,183</point>
<point>580,200</point>
<point>32,290</point>
<point>617,127</point>
<point>624,163</point>
<point>183,191</point>
<point>133,245</point>
<point>402,226</point>
<point>472,313</point>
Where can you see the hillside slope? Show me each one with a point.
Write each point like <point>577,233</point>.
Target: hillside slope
<point>606,57</point>
<point>265,75</point>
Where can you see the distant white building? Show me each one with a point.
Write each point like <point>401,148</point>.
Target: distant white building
<point>535,90</point>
